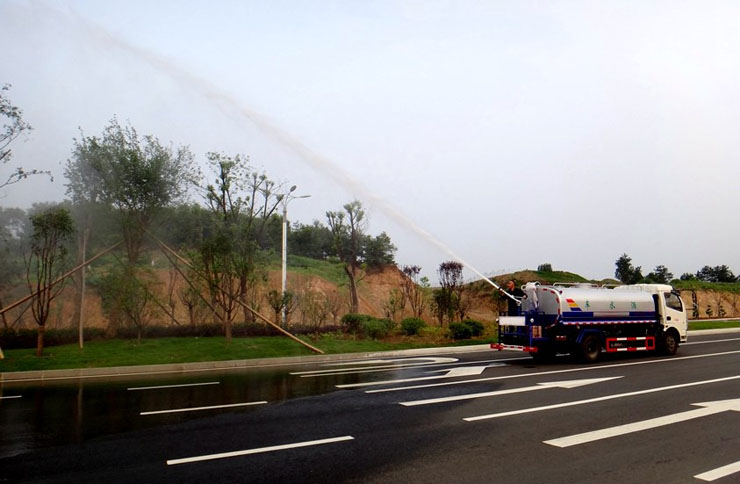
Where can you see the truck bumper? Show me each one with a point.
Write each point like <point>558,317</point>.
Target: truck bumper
<point>501,347</point>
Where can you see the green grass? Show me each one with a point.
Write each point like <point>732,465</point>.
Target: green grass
<point>331,271</point>
<point>107,353</point>
<point>696,325</point>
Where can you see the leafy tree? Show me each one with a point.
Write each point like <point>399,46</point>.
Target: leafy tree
<point>46,263</point>
<point>315,241</point>
<point>625,272</point>
<point>127,295</point>
<point>687,276</point>
<point>13,230</point>
<point>716,274</point>
<point>242,202</point>
<point>13,127</point>
<point>660,275</point>
<point>378,251</point>
<point>546,267</point>
<point>136,175</point>
<point>348,229</point>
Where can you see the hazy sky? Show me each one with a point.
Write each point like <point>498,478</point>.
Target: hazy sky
<point>516,133</point>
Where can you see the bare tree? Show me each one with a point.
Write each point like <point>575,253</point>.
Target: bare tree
<point>414,289</point>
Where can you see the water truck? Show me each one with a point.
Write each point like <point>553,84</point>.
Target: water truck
<point>584,319</point>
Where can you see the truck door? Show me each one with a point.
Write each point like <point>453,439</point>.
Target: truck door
<point>674,314</point>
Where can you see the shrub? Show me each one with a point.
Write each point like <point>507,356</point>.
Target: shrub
<point>476,327</point>
<point>377,328</point>
<point>352,322</point>
<point>412,326</point>
<point>460,331</point>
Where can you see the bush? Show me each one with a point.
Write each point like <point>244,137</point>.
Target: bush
<point>476,327</point>
<point>377,328</point>
<point>412,326</point>
<point>352,322</point>
<point>11,339</point>
<point>460,331</point>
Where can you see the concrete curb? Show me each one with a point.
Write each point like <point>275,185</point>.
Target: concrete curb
<point>122,371</point>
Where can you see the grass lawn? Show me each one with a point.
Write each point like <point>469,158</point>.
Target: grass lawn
<point>156,351</point>
<point>709,324</point>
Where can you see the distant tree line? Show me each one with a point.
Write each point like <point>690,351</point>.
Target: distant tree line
<point>629,274</point>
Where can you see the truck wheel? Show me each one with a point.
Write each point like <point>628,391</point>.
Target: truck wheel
<point>670,343</point>
<point>590,348</point>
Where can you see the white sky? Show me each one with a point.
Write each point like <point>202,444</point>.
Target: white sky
<point>516,132</point>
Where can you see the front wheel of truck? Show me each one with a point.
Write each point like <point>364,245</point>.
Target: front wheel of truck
<point>590,348</point>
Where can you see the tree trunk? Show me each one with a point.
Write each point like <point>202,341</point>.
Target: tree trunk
<point>227,330</point>
<point>40,341</point>
<point>354,301</point>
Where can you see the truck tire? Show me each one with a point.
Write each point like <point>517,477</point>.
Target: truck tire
<point>590,348</point>
<point>670,343</point>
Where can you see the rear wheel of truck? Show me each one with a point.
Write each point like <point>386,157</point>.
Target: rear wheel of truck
<point>590,348</point>
<point>670,343</point>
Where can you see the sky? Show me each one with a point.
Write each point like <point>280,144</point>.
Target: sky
<point>504,134</point>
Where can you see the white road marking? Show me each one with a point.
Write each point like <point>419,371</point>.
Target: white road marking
<point>541,373</point>
<point>193,409</point>
<point>599,399</point>
<point>174,386</point>
<point>451,373</point>
<point>539,386</point>
<point>413,363</point>
<point>258,450</point>
<point>11,396</point>
<point>719,472</point>
<point>709,408</point>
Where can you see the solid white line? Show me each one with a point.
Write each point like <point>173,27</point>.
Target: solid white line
<point>540,373</point>
<point>598,399</point>
<point>175,386</point>
<point>258,450</point>
<point>193,409</point>
<point>11,396</point>
<point>719,472</point>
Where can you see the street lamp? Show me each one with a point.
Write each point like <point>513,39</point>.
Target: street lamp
<point>286,198</point>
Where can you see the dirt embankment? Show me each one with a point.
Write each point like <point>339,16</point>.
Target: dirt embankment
<point>375,290</point>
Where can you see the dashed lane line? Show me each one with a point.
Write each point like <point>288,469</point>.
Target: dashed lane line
<point>174,386</point>
<point>194,409</point>
<point>259,450</point>
<point>719,472</point>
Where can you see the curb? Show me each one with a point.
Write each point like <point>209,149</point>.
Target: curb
<point>141,370</point>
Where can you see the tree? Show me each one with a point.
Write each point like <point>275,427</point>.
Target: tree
<point>414,289</point>
<point>13,127</point>
<point>315,241</point>
<point>546,267</point>
<point>348,229</point>
<point>242,203</point>
<point>13,230</point>
<point>660,275</point>
<point>716,274</point>
<point>379,251</point>
<point>625,272</point>
<point>449,294</point>
<point>137,176</point>
<point>46,263</point>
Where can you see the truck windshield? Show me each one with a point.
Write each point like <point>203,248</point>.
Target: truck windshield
<point>673,301</point>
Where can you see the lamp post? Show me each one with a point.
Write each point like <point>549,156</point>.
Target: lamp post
<point>286,198</point>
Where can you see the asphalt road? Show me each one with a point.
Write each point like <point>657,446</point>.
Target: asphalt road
<point>478,417</point>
